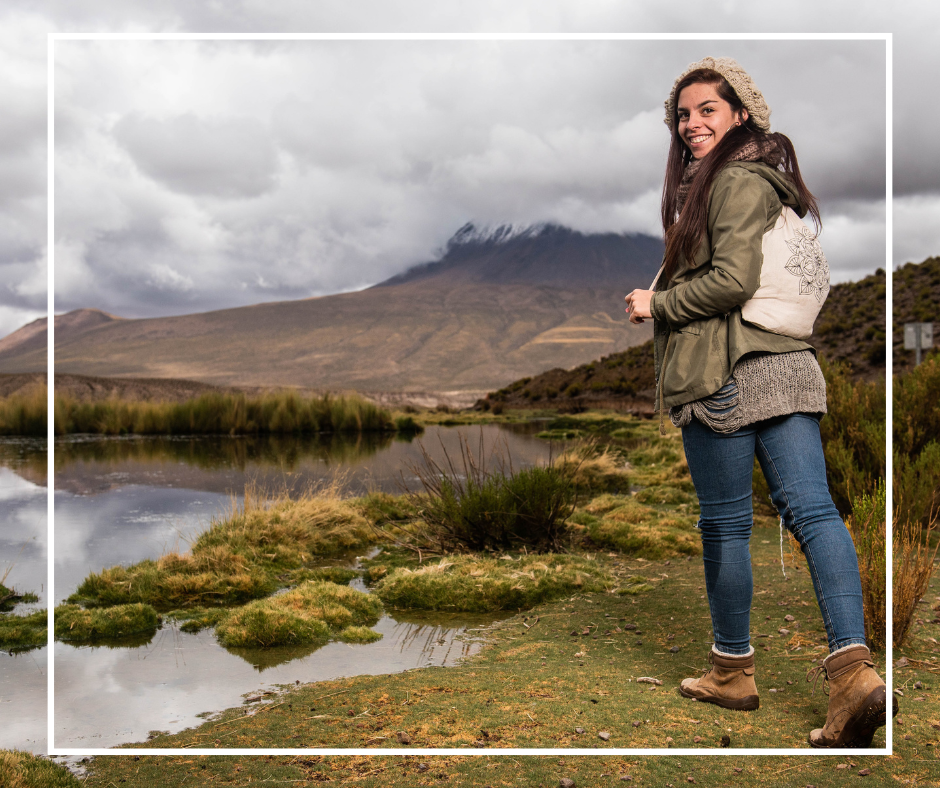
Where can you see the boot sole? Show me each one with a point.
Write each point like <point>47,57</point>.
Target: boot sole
<point>860,729</point>
<point>747,703</point>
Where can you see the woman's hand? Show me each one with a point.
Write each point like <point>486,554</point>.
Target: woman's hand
<point>638,305</point>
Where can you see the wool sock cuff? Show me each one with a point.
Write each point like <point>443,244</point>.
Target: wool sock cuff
<point>723,654</point>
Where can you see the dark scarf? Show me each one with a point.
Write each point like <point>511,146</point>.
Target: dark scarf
<point>765,150</point>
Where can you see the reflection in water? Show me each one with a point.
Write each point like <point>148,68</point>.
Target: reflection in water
<point>108,696</point>
<point>213,452</point>
<point>23,563</point>
<point>121,500</point>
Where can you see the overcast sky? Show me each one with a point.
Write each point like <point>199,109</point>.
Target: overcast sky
<point>199,175</point>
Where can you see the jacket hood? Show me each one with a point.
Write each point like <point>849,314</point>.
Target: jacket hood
<point>781,182</point>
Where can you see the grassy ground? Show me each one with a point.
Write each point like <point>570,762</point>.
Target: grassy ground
<point>915,761</point>
<point>560,674</point>
<point>572,664</point>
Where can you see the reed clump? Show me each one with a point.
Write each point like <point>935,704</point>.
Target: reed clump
<point>76,624</point>
<point>466,505</point>
<point>24,412</point>
<point>215,413</point>
<point>913,567</point>
<point>313,611</point>
<point>480,584</point>
<point>244,555</point>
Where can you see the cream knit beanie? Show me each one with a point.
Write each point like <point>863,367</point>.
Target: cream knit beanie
<point>741,83</point>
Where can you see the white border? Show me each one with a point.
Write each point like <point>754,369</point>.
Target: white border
<point>52,38</point>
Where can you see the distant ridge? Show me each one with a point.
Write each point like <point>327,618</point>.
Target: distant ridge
<point>498,304</point>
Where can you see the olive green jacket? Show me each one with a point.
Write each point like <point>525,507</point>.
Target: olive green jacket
<point>698,332</point>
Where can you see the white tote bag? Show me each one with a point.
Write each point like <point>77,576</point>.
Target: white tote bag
<point>794,279</point>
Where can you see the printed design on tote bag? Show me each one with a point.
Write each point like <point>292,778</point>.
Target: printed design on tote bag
<point>809,263</point>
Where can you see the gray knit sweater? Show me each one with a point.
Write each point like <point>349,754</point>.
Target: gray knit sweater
<point>760,387</point>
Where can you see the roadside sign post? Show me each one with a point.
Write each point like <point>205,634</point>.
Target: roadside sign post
<point>917,337</point>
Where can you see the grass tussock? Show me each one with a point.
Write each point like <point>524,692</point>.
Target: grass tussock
<point>478,584</point>
<point>283,412</point>
<point>25,770</point>
<point>465,506</point>
<point>18,633</point>
<point>245,555</point>
<point>73,623</point>
<point>593,470</point>
<point>311,612</point>
<point>24,413</point>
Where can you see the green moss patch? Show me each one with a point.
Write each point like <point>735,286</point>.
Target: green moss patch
<point>477,584</point>
<point>358,634</point>
<point>73,623</point>
<point>623,523</point>
<point>311,612</point>
<point>197,618</point>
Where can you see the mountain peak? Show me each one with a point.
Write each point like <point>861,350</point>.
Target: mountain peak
<point>543,255</point>
<point>470,233</point>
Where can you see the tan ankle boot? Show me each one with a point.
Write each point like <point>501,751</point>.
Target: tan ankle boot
<point>857,699</point>
<point>729,683</point>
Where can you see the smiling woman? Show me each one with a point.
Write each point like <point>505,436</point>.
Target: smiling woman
<point>739,289</point>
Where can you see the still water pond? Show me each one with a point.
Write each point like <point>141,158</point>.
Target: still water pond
<point>23,562</point>
<point>121,500</point>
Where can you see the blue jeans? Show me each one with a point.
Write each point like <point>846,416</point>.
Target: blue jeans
<point>790,454</point>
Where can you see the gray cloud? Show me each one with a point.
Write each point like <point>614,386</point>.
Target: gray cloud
<point>295,222</point>
<point>231,157</point>
<point>228,173</point>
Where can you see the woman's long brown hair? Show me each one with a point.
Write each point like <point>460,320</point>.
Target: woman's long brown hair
<point>685,232</point>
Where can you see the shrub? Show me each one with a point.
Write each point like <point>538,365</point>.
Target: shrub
<point>476,584</point>
<point>853,435</point>
<point>916,451</point>
<point>867,524</point>
<point>466,507</point>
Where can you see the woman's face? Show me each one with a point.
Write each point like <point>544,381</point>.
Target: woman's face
<point>704,118</point>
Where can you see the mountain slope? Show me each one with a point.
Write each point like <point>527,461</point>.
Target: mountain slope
<point>490,310</point>
<point>20,351</point>
<point>851,328</point>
